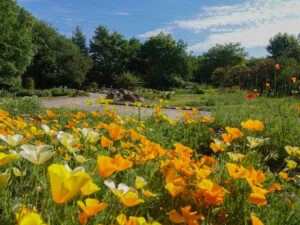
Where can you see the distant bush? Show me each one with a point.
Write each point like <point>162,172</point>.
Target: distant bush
<point>24,92</point>
<point>127,81</point>
<point>62,91</point>
<point>198,90</point>
<point>81,93</point>
<point>43,93</point>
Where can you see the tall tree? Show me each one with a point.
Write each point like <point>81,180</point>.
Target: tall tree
<point>79,39</point>
<point>57,60</point>
<point>165,61</point>
<point>231,54</point>
<point>109,52</point>
<point>15,42</point>
<point>280,43</point>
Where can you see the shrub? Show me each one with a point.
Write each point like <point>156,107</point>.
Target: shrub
<point>24,92</point>
<point>62,92</point>
<point>127,81</point>
<point>43,93</point>
<point>198,90</point>
<point>29,83</point>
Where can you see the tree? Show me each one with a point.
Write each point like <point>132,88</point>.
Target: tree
<point>109,52</point>
<point>15,42</point>
<point>280,43</point>
<point>165,61</point>
<point>219,56</point>
<point>79,39</point>
<point>57,60</point>
<point>134,56</point>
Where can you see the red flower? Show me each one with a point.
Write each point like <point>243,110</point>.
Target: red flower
<point>277,66</point>
<point>250,96</point>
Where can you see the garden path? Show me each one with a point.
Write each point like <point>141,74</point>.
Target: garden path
<point>122,110</point>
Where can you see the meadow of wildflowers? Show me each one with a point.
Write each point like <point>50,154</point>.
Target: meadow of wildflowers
<point>78,167</point>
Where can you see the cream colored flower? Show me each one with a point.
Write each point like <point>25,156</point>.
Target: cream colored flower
<point>255,142</point>
<point>47,130</point>
<point>66,139</point>
<point>12,140</point>
<point>90,135</point>
<point>36,154</point>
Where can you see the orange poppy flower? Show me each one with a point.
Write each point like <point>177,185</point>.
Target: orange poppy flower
<point>105,142</point>
<point>257,199</point>
<point>187,217</point>
<point>267,84</point>
<point>277,66</point>
<point>108,165</point>
<point>255,220</point>
<point>235,132</point>
<point>227,137</point>
<point>294,79</point>
<point>213,194</point>
<point>237,171</point>
<point>105,166</point>
<point>115,131</point>
<point>253,125</point>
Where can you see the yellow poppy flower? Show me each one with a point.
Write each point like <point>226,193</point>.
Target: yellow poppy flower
<point>31,218</point>
<point>4,159</point>
<point>91,206</point>
<point>65,184</point>
<point>291,164</point>
<point>140,182</point>
<point>4,178</point>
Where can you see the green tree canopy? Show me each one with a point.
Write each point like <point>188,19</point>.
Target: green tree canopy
<point>15,42</point>
<point>109,52</point>
<point>165,61</point>
<point>219,56</point>
<point>280,43</point>
<point>57,60</point>
<point>79,39</point>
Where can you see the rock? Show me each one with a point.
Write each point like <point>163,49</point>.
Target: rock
<point>123,95</point>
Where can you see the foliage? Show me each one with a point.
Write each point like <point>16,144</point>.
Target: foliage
<point>219,56</point>
<point>79,39</point>
<point>109,54</point>
<point>281,43</point>
<point>57,61</point>
<point>127,81</point>
<point>62,91</point>
<point>165,62</point>
<point>15,43</point>
<point>29,83</point>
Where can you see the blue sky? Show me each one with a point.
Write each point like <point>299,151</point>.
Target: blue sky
<point>200,23</point>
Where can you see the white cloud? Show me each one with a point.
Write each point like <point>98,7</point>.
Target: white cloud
<point>122,13</point>
<point>165,30</point>
<point>252,23</point>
